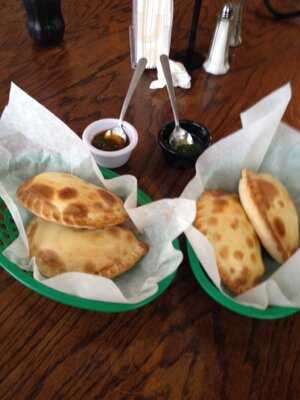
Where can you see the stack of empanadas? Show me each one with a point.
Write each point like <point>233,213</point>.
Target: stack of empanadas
<point>234,225</point>
<point>76,228</point>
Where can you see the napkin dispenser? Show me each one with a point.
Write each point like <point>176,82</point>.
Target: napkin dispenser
<point>151,30</point>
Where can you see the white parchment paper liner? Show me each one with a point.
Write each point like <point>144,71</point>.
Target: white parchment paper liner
<point>33,140</point>
<point>263,144</point>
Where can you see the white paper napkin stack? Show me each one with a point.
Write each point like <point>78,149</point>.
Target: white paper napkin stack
<point>151,37</point>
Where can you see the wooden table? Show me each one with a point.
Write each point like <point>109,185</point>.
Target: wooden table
<point>184,345</point>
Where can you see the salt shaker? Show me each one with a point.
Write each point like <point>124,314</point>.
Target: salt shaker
<point>236,36</point>
<point>217,62</point>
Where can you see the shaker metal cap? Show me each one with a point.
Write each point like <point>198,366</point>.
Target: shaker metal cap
<point>226,11</point>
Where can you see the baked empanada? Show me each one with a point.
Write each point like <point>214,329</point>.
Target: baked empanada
<point>221,218</point>
<point>68,200</point>
<point>105,252</point>
<point>271,212</point>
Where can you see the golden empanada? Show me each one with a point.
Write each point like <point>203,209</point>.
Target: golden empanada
<point>68,200</point>
<point>105,252</point>
<point>221,218</point>
<point>271,212</point>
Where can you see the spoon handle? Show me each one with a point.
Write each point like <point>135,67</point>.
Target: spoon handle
<point>168,77</point>
<point>132,86</point>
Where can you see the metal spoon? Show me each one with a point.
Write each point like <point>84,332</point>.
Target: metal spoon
<point>118,130</point>
<point>179,136</point>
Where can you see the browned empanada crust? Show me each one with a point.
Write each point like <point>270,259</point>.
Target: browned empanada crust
<point>68,200</point>
<point>105,252</point>
<point>221,218</point>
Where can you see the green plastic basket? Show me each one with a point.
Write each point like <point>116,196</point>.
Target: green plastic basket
<point>272,312</point>
<point>8,233</point>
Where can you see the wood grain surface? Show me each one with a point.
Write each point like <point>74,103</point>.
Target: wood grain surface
<point>184,345</point>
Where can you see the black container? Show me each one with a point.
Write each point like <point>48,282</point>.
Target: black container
<point>180,159</point>
<point>45,22</point>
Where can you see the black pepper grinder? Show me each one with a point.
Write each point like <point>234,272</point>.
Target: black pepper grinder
<point>45,22</point>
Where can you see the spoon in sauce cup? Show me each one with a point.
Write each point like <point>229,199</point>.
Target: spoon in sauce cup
<point>179,137</point>
<point>117,135</point>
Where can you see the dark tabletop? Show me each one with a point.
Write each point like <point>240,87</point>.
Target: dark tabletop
<point>184,345</point>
